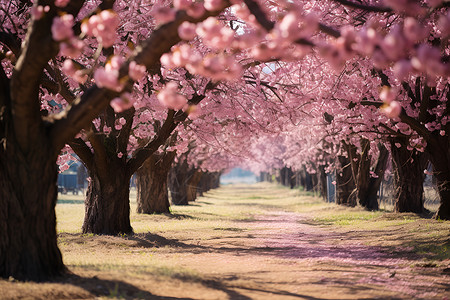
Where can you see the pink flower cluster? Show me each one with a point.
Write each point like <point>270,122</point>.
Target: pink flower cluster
<point>135,71</point>
<point>193,9</point>
<point>73,70</point>
<point>214,34</point>
<point>216,67</point>
<point>38,11</point>
<point>170,98</point>
<point>62,31</point>
<point>119,123</point>
<point>62,27</point>
<point>102,26</point>
<point>108,77</point>
<point>61,3</point>
<point>391,108</point>
<point>122,103</point>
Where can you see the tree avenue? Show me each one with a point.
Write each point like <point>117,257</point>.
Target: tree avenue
<point>295,84</point>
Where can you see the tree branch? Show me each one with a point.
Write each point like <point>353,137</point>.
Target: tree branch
<point>26,77</point>
<point>124,134</point>
<point>259,14</point>
<point>11,41</point>
<point>68,123</point>
<point>83,151</point>
<point>171,122</point>
<point>78,115</point>
<point>100,157</point>
<point>143,153</point>
<point>268,25</point>
<point>415,125</point>
<point>368,8</point>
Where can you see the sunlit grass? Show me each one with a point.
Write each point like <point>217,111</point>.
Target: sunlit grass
<point>227,211</point>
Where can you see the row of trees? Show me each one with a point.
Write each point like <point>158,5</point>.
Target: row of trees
<point>126,84</point>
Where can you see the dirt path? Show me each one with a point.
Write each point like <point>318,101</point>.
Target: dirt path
<point>281,256</point>
<point>246,242</point>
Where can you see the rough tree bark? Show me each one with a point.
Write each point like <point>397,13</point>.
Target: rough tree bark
<point>31,142</point>
<point>192,185</point>
<point>345,183</point>
<point>408,169</point>
<point>177,182</point>
<point>107,204</point>
<point>152,189</point>
<point>368,186</point>
<point>28,191</point>
<point>439,149</point>
<point>323,183</point>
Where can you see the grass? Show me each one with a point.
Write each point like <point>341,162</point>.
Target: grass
<point>213,250</point>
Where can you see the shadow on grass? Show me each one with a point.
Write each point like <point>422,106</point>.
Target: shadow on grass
<point>149,240</point>
<point>179,216</point>
<point>112,288</point>
<point>122,290</point>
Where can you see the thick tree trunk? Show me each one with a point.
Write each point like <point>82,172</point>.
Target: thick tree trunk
<point>265,176</point>
<point>408,169</point>
<point>287,177</point>
<point>107,204</point>
<point>308,180</point>
<point>367,186</point>
<point>152,189</point>
<point>323,183</point>
<point>345,183</point>
<point>192,185</point>
<point>202,185</point>
<point>367,192</point>
<point>28,193</point>
<point>283,175</point>
<point>177,182</point>
<point>215,180</point>
<point>208,181</point>
<point>440,158</point>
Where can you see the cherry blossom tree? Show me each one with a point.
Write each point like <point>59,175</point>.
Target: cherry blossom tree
<point>64,62</point>
<point>32,137</point>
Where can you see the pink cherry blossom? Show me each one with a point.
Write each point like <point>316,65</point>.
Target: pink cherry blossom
<point>392,110</point>
<point>164,14</point>
<point>186,31</point>
<point>182,4</point>
<point>122,103</point>
<point>102,26</point>
<point>213,5</point>
<point>70,69</point>
<point>72,48</point>
<point>196,10</point>
<point>108,77</point>
<point>38,11</point>
<point>61,3</point>
<point>62,27</point>
<point>387,94</point>
<point>135,71</point>
<point>170,98</point>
